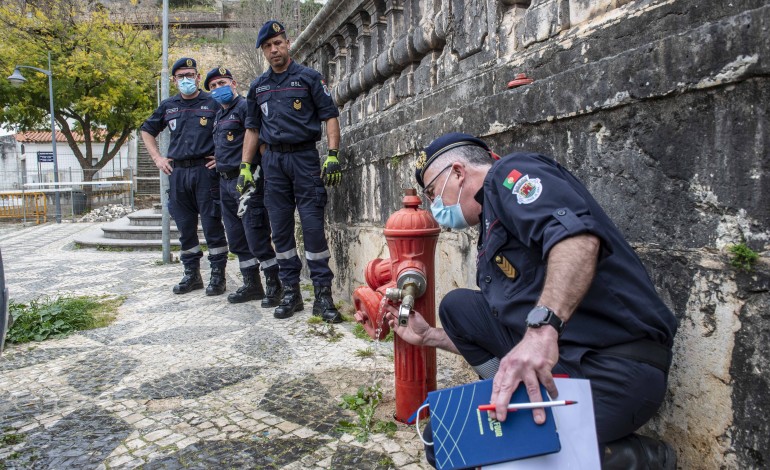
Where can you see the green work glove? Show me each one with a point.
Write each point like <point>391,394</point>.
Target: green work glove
<point>245,179</point>
<point>331,172</point>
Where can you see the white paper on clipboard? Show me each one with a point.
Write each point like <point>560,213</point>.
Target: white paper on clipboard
<point>576,426</point>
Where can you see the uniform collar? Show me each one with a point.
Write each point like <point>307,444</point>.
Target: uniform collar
<point>479,196</point>
<point>280,77</point>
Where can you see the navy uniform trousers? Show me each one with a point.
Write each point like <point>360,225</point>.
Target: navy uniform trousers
<point>292,179</point>
<point>626,393</point>
<point>249,237</point>
<point>193,191</point>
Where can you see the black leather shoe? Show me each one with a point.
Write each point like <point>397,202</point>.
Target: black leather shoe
<point>273,289</point>
<point>635,452</point>
<point>250,290</point>
<point>324,305</point>
<point>217,283</point>
<point>290,303</point>
<point>191,281</point>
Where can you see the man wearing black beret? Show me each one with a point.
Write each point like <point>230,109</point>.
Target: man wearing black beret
<point>561,292</point>
<point>286,108</point>
<point>247,224</point>
<point>193,181</point>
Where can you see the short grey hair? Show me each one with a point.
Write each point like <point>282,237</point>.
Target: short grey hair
<point>471,155</point>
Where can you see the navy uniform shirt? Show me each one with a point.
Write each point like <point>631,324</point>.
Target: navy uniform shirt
<point>530,203</point>
<point>288,107</point>
<point>228,134</point>
<point>191,123</point>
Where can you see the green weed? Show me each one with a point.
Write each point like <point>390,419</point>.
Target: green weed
<point>364,403</point>
<point>51,317</point>
<point>743,257</point>
<point>324,330</point>
<point>368,352</point>
<point>360,333</point>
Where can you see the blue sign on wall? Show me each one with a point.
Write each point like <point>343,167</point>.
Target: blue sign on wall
<point>44,157</point>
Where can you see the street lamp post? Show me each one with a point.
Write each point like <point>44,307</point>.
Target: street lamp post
<point>17,79</point>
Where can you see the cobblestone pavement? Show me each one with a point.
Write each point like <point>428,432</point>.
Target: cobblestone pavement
<point>181,381</point>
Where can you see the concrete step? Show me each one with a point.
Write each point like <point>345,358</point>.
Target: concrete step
<point>146,217</point>
<point>123,229</point>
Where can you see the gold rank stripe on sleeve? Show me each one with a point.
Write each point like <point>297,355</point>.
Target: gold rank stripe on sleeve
<point>506,267</point>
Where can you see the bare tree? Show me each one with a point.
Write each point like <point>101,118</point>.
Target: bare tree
<point>252,14</point>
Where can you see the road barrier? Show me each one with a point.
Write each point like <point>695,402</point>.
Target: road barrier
<point>24,206</point>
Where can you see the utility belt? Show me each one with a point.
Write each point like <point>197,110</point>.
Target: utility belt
<point>189,162</point>
<point>230,174</point>
<point>287,148</point>
<point>642,350</point>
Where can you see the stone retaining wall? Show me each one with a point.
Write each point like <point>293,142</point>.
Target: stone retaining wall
<point>660,107</point>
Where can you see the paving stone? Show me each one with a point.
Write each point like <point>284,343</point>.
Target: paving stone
<point>21,359</point>
<point>99,371</point>
<point>155,435</point>
<point>146,391</point>
<point>352,457</point>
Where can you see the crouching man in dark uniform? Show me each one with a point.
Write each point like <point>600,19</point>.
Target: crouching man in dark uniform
<point>286,107</point>
<point>561,293</point>
<point>248,230</point>
<point>194,185</point>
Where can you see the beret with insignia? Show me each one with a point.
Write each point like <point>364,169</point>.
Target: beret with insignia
<point>442,145</point>
<point>269,30</point>
<point>217,72</point>
<point>184,63</point>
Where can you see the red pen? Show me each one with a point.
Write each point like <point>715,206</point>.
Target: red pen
<point>529,406</point>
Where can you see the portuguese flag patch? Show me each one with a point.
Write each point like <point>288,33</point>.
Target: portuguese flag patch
<point>511,179</point>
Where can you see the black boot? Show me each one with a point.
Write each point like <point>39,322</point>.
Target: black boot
<point>274,290</point>
<point>217,283</point>
<point>250,290</point>
<point>290,303</point>
<point>635,452</point>
<point>191,281</point>
<point>324,305</point>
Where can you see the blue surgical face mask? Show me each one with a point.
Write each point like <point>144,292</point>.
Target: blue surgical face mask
<point>187,86</point>
<point>448,216</point>
<point>223,94</point>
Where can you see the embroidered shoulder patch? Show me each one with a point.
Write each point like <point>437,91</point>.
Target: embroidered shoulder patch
<point>512,178</point>
<point>527,189</point>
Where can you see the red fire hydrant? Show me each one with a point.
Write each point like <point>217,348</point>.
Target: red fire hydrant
<point>406,278</point>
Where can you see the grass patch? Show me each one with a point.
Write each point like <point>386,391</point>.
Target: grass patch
<point>324,330</point>
<point>10,438</point>
<point>55,317</point>
<point>743,257</point>
<point>360,333</point>
<point>364,403</point>
<point>368,352</point>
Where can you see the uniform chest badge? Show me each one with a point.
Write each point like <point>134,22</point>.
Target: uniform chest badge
<point>204,121</point>
<point>230,137</point>
<point>172,124</point>
<point>263,107</point>
<point>506,267</point>
<point>297,105</point>
<point>527,189</point>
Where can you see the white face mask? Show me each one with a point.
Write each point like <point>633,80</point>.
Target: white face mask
<point>449,216</point>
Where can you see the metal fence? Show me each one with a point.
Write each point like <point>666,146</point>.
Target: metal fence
<point>37,201</point>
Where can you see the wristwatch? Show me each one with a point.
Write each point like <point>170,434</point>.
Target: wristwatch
<point>542,315</point>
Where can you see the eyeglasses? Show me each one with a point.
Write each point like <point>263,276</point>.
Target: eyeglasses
<point>428,191</point>
<point>190,75</point>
